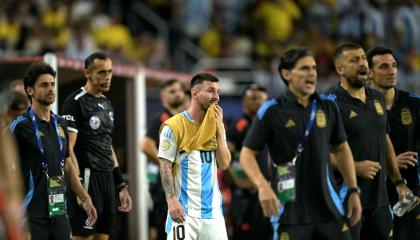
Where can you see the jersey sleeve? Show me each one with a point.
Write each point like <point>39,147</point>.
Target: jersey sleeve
<point>257,135</point>
<point>338,132</point>
<point>73,114</point>
<point>167,144</point>
<point>153,129</point>
<point>234,136</point>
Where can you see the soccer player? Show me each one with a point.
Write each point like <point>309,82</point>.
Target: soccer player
<point>300,128</point>
<point>404,120</point>
<point>172,96</point>
<point>42,142</point>
<point>91,120</point>
<point>363,111</point>
<point>192,147</point>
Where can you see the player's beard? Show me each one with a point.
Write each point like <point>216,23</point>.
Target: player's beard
<point>355,82</point>
<point>46,101</point>
<point>176,103</point>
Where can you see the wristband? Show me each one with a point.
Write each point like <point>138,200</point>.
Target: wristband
<point>400,182</point>
<point>354,190</point>
<point>118,179</point>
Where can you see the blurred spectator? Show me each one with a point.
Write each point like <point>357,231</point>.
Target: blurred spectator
<point>10,188</point>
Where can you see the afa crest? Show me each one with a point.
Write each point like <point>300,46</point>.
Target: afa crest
<point>321,119</point>
<point>406,118</point>
<point>61,132</point>
<point>284,236</point>
<point>378,107</point>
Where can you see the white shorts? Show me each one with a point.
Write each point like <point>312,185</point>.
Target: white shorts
<point>196,228</point>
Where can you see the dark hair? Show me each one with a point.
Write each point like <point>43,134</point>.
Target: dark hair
<point>253,87</point>
<point>168,83</point>
<point>377,50</point>
<point>33,72</point>
<point>97,55</point>
<point>201,77</point>
<point>344,47</point>
<point>289,59</point>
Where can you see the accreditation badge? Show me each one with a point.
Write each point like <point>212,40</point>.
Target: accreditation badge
<point>378,107</point>
<point>321,120</point>
<point>286,175</point>
<point>406,118</point>
<point>56,196</point>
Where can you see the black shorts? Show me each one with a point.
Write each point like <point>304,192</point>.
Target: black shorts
<point>331,230</point>
<point>407,227</point>
<point>248,219</point>
<point>102,191</point>
<point>376,224</point>
<point>50,228</point>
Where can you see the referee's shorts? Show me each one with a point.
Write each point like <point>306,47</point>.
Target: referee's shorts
<point>101,188</point>
<point>57,228</point>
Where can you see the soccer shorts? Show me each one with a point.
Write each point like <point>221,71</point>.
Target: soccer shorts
<point>196,228</point>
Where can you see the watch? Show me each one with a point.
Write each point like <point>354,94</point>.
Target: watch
<point>400,182</point>
<point>354,190</point>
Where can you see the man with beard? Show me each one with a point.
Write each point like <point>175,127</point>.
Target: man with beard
<point>192,146</point>
<point>300,129</point>
<point>91,120</point>
<point>363,111</point>
<point>248,219</point>
<point>172,96</point>
<point>45,163</point>
<point>404,120</point>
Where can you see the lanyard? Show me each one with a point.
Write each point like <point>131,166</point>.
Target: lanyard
<point>44,160</point>
<point>308,129</point>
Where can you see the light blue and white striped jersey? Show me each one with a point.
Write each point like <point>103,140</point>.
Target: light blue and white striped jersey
<point>196,184</point>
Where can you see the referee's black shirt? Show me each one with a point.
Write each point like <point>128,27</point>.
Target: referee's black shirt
<point>35,181</point>
<point>366,128</point>
<point>92,119</point>
<point>404,121</point>
<point>281,123</point>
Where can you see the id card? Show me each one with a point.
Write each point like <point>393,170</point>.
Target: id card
<point>56,196</point>
<point>286,174</point>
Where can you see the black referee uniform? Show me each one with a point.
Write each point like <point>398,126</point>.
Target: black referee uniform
<point>366,127</point>
<point>160,208</point>
<point>93,120</point>
<point>317,212</point>
<point>35,203</point>
<point>404,121</point>
<point>249,220</point>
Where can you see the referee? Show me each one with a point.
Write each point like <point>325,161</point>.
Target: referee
<point>91,120</point>
<point>300,128</point>
<point>42,142</point>
<point>404,120</point>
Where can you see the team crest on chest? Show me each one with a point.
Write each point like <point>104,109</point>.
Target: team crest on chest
<point>284,236</point>
<point>61,132</point>
<point>378,107</point>
<point>406,118</point>
<point>94,122</point>
<point>321,119</point>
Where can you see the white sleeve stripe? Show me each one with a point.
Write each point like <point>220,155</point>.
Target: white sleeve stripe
<point>72,129</point>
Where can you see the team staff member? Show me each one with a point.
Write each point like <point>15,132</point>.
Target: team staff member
<point>192,147</point>
<point>42,142</point>
<point>248,218</point>
<point>363,112</point>
<point>172,96</point>
<point>302,125</point>
<point>404,120</point>
<point>91,120</point>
